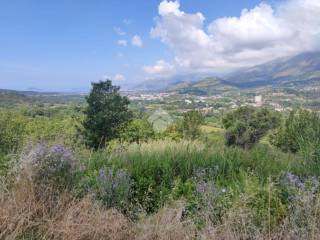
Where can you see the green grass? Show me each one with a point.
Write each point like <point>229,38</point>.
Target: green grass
<point>156,167</point>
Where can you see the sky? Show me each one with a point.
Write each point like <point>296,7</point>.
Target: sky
<point>67,44</point>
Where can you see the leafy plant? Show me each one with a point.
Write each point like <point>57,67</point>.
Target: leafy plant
<point>247,125</point>
<point>107,110</point>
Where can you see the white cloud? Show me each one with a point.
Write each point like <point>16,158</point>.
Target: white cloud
<point>258,35</point>
<point>137,41</point>
<point>119,31</point>
<point>122,42</point>
<point>119,77</point>
<point>160,68</point>
<point>169,7</point>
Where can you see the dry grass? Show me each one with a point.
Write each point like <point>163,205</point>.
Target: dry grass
<point>87,220</point>
<point>25,216</point>
<point>167,224</point>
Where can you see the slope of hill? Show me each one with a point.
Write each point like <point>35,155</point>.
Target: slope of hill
<point>11,97</point>
<point>207,86</point>
<point>298,71</point>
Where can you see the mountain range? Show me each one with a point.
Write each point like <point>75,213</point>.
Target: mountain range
<point>300,71</point>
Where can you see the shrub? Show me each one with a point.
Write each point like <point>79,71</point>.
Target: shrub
<point>138,130</point>
<point>51,168</point>
<point>191,123</point>
<point>113,188</point>
<point>12,131</point>
<point>247,125</point>
<point>300,133</point>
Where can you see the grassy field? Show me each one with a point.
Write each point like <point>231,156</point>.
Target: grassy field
<point>54,187</point>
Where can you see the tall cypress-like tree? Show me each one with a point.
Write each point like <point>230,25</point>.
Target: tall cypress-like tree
<point>107,110</point>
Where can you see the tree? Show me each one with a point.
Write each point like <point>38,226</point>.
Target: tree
<point>107,110</point>
<point>191,124</point>
<point>247,125</point>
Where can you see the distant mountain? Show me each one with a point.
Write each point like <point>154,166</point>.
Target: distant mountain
<point>166,83</point>
<point>207,86</point>
<point>298,71</point>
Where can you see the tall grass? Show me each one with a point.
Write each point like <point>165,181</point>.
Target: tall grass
<point>161,190</point>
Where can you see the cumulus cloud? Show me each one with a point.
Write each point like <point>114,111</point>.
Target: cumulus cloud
<point>122,42</point>
<point>161,67</point>
<point>258,35</point>
<point>136,41</point>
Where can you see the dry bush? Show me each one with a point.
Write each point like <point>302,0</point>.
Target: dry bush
<point>24,216</point>
<point>20,211</point>
<point>167,224</point>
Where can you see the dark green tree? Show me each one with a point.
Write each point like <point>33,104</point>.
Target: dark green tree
<point>247,125</point>
<point>107,110</point>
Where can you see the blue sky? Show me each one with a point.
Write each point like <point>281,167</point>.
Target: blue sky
<point>66,44</point>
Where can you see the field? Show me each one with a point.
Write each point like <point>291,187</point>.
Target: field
<point>164,185</point>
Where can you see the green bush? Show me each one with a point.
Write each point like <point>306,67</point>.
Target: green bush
<point>138,130</point>
<point>247,125</point>
<point>12,131</point>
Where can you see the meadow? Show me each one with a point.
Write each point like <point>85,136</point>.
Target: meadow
<point>151,185</point>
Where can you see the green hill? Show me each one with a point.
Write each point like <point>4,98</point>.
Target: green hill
<point>207,86</point>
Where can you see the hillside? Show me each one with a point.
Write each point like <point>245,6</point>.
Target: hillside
<point>299,71</point>
<point>10,97</point>
<point>207,86</point>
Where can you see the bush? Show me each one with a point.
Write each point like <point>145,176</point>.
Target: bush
<point>247,125</point>
<point>52,168</point>
<point>191,123</point>
<point>300,129</point>
<point>113,188</point>
<point>12,131</point>
<point>138,130</point>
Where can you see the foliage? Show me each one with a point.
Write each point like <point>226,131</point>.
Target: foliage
<point>52,168</point>
<point>300,132</point>
<point>173,131</point>
<point>107,110</point>
<point>246,125</point>
<point>137,130</point>
<point>12,131</point>
<point>158,167</point>
<point>189,127</point>
<point>113,188</point>
<point>191,123</point>
<point>222,193</point>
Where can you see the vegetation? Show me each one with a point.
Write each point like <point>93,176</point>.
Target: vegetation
<point>107,110</point>
<point>246,125</point>
<point>57,182</point>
